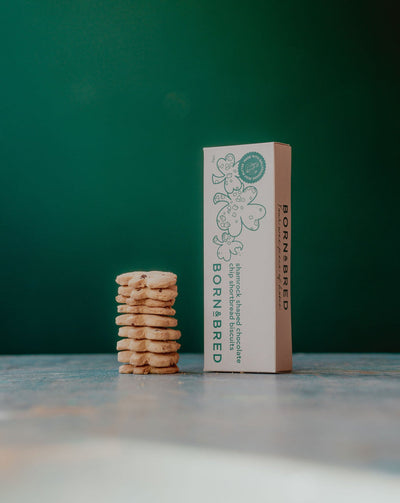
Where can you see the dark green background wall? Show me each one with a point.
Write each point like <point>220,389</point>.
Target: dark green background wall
<point>105,108</point>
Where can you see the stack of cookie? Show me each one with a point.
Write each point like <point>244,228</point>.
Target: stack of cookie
<point>149,342</point>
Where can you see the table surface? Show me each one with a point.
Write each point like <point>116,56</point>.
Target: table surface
<point>333,416</point>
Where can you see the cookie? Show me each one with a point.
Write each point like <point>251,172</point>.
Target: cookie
<point>165,311</point>
<point>155,334</point>
<point>126,369</point>
<point>146,320</point>
<point>147,345</point>
<point>144,302</point>
<point>148,293</point>
<point>147,369</point>
<point>151,279</point>
<point>145,358</point>
<point>124,356</point>
<point>152,359</point>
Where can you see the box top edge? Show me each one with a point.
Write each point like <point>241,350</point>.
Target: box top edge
<point>252,144</point>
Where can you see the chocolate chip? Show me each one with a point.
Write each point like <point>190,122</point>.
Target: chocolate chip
<point>143,276</point>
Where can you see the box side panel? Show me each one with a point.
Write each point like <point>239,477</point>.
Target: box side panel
<point>283,155</point>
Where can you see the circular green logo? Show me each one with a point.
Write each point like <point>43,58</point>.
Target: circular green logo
<point>251,167</point>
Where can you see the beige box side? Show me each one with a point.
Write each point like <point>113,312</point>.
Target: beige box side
<point>283,154</point>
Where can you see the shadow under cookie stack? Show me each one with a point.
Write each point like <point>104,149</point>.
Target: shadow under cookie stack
<point>148,344</point>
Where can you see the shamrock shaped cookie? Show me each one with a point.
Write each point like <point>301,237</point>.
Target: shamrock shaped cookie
<point>229,170</point>
<point>238,210</point>
<point>227,246</point>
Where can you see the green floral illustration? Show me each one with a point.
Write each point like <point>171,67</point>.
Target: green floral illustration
<point>230,173</point>
<point>238,210</point>
<point>227,246</point>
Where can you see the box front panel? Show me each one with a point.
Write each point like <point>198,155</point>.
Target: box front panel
<point>239,258</point>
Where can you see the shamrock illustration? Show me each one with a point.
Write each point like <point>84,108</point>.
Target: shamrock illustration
<point>227,246</point>
<point>229,170</point>
<point>238,210</point>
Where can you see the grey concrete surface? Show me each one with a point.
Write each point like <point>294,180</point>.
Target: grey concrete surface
<point>335,413</point>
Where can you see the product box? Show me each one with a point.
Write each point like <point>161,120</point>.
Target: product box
<point>247,307</point>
